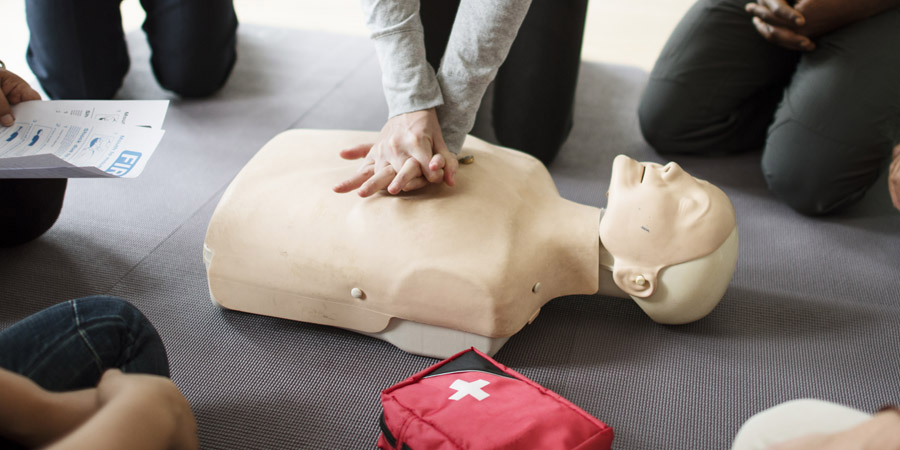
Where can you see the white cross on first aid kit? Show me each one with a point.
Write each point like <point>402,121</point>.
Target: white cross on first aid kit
<point>474,389</point>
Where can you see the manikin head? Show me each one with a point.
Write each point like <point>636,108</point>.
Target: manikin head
<point>672,237</point>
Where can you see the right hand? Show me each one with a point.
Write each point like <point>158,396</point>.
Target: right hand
<point>13,90</point>
<point>409,154</point>
<point>152,394</point>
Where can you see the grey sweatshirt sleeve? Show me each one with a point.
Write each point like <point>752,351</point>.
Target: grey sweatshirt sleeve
<point>482,34</point>
<point>409,81</point>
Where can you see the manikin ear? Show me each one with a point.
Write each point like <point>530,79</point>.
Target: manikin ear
<point>634,281</point>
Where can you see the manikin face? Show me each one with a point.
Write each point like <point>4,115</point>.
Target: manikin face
<point>657,216</point>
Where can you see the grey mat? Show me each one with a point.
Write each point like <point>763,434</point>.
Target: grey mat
<point>813,309</point>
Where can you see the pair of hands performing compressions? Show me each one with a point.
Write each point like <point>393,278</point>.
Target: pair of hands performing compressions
<point>410,154</point>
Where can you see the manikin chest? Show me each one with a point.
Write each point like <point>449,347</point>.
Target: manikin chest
<point>479,258</point>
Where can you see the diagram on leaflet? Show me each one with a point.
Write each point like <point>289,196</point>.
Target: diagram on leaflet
<point>70,138</point>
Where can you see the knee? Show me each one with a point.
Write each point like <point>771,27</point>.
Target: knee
<point>97,84</point>
<point>28,208</point>
<point>651,120</point>
<point>111,306</point>
<point>810,178</point>
<point>803,191</point>
<point>660,117</point>
<point>120,335</point>
<point>195,72</point>
<point>70,78</point>
<point>192,80</point>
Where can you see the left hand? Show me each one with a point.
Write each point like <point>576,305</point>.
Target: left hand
<point>894,178</point>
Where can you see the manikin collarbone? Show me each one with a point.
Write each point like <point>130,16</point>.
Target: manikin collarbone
<point>481,257</point>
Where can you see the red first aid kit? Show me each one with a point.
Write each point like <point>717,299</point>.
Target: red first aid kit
<point>470,401</point>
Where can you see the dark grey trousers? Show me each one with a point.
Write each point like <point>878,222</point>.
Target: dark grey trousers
<point>534,92</point>
<point>826,120</point>
<point>77,48</point>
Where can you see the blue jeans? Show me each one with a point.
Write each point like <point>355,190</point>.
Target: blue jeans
<point>77,48</point>
<point>68,346</point>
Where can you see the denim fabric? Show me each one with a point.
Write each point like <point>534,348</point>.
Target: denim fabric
<point>68,346</point>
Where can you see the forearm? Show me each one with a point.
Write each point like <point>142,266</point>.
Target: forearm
<point>822,18</point>
<point>483,33</point>
<point>408,80</point>
<point>862,9</point>
<point>34,417</point>
<point>150,419</point>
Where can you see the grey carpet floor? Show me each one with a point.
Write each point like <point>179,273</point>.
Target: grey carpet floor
<point>813,309</point>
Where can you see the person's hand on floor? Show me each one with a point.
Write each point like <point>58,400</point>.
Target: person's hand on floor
<point>409,154</point>
<point>894,178</point>
<point>13,90</point>
<point>793,27</point>
<point>881,432</point>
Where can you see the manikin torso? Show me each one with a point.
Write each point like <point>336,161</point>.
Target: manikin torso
<point>479,259</point>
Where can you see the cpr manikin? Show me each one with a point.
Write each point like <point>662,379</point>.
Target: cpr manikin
<point>441,269</point>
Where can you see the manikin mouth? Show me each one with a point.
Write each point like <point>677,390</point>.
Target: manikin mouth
<point>643,171</point>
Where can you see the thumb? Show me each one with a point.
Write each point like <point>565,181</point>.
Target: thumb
<point>6,115</point>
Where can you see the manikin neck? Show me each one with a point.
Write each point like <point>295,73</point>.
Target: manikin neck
<point>606,284</point>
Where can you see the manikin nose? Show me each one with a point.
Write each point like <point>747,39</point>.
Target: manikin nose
<point>671,169</point>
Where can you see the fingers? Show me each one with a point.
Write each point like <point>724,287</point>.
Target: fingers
<point>423,156</point>
<point>435,166</point>
<point>399,150</point>
<point>450,171</point>
<point>13,90</point>
<point>6,117</point>
<point>377,182</point>
<point>783,11</point>
<point>357,152</point>
<point>783,36</point>
<point>417,183</point>
<point>768,16</point>
<point>365,172</point>
<point>446,160</point>
<point>410,171</point>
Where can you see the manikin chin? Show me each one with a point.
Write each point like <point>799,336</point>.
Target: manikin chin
<point>444,268</point>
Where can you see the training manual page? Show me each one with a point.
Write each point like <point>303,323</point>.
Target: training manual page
<point>81,138</point>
